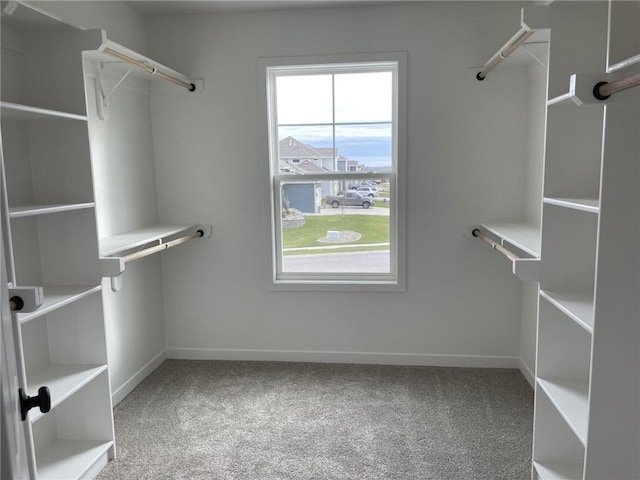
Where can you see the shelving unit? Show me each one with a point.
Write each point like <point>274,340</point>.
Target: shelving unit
<point>586,418</point>
<point>519,230</point>
<point>51,241</point>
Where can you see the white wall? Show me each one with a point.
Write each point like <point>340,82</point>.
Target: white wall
<point>466,158</point>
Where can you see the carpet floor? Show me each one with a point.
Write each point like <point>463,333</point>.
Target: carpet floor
<point>301,421</point>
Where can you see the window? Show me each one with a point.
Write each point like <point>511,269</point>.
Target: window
<point>335,167</point>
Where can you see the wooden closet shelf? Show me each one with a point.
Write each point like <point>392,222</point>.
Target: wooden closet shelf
<point>591,205</point>
<point>33,210</point>
<point>119,244</point>
<point>70,458</point>
<point>56,297</point>
<point>63,381</point>
<point>523,236</point>
<point>558,471</point>
<point>571,399</point>
<point>577,306</point>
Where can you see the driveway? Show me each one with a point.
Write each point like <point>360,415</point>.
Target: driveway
<point>376,261</point>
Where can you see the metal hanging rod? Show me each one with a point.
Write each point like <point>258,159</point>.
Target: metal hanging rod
<point>506,50</point>
<point>152,70</point>
<point>162,246</point>
<point>496,246</point>
<point>604,90</point>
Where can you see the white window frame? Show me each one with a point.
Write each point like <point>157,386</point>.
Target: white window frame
<point>269,68</point>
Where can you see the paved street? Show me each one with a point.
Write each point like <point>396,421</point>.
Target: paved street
<point>366,262</point>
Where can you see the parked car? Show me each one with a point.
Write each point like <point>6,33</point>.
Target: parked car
<point>369,191</point>
<point>350,199</point>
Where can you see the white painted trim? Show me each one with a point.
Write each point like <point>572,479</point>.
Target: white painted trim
<point>412,359</point>
<point>127,387</point>
<point>527,372</point>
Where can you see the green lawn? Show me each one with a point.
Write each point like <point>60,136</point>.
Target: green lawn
<point>373,228</point>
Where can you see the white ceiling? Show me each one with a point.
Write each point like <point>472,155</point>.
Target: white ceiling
<point>152,8</point>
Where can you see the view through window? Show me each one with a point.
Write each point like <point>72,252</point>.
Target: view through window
<point>333,135</point>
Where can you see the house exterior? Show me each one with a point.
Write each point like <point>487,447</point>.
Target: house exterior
<point>297,157</point>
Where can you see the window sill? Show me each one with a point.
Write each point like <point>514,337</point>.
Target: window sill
<point>336,286</point>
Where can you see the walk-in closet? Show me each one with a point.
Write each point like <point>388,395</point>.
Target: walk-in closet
<point>188,293</point>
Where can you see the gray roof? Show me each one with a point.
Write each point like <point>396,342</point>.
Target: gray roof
<point>305,166</point>
<point>292,148</point>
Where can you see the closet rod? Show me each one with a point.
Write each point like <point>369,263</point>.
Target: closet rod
<point>162,246</point>
<point>604,90</point>
<point>506,50</point>
<point>152,70</point>
<point>496,246</point>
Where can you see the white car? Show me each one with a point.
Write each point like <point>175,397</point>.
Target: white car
<point>368,191</point>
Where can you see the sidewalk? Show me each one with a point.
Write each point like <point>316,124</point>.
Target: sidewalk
<point>328,210</point>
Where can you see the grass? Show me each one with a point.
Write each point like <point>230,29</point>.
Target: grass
<point>373,228</point>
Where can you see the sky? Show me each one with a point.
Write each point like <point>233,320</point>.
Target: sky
<point>363,113</point>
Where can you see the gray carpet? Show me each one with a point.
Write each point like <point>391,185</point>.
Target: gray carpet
<point>277,421</point>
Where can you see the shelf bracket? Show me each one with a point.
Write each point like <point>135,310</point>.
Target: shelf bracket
<point>102,98</point>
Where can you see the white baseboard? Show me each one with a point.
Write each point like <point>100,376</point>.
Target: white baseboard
<point>528,373</point>
<point>139,376</point>
<point>475,361</point>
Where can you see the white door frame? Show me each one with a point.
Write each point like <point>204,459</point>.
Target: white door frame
<point>13,462</point>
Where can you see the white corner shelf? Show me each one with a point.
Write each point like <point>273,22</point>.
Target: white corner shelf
<point>70,458</point>
<point>558,471</point>
<point>571,398</point>
<point>16,111</point>
<point>63,381</point>
<point>33,210</point>
<point>590,205</point>
<point>56,297</point>
<point>118,244</point>
<point>523,236</point>
<point>576,305</point>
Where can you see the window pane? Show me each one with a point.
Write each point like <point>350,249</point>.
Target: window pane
<point>304,99</point>
<point>304,150</point>
<point>363,97</point>
<point>328,227</point>
<point>366,146</point>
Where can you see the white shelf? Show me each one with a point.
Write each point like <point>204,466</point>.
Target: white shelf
<point>111,246</point>
<point>558,471</point>
<point>63,381</point>
<point>33,210</point>
<point>524,236</point>
<point>571,398</point>
<point>577,306</point>
<point>57,297</point>
<point>69,459</point>
<point>117,65</point>
<point>591,205</point>
<point>16,111</point>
